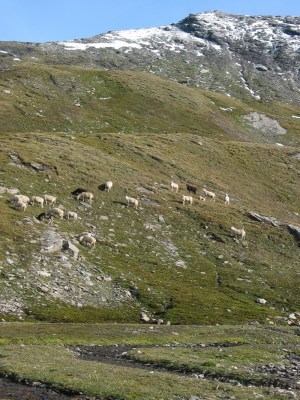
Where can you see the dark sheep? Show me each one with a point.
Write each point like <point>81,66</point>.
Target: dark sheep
<point>77,191</point>
<point>191,188</point>
<point>45,215</point>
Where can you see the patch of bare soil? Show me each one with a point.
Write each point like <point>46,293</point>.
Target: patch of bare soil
<point>115,355</point>
<point>17,391</point>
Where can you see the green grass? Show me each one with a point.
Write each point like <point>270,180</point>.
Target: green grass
<point>42,98</point>
<point>37,352</point>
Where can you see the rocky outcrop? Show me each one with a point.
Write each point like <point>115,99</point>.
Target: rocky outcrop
<point>295,230</point>
<point>266,125</point>
<point>262,218</point>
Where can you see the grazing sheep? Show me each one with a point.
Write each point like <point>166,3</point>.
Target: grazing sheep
<point>19,197</point>
<point>174,187</point>
<point>212,195</point>
<point>191,188</point>
<point>71,215</point>
<point>131,200</point>
<point>187,199</point>
<point>77,191</point>
<point>226,198</point>
<point>108,185</point>
<point>87,239</point>
<point>202,198</point>
<point>86,197</point>
<point>21,205</point>
<point>37,199</point>
<point>45,215</point>
<point>238,233</point>
<point>50,199</point>
<point>56,212</point>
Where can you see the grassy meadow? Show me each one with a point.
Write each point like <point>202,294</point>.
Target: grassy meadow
<point>173,361</point>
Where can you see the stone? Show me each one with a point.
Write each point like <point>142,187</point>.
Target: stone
<point>44,289</point>
<point>295,230</point>
<point>261,301</point>
<point>144,190</point>
<point>52,242</point>
<point>70,248</point>
<point>161,219</point>
<point>10,191</point>
<point>265,124</point>
<point>261,218</point>
<point>44,273</point>
<point>261,68</point>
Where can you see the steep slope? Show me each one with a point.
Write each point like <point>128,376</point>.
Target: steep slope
<point>178,263</point>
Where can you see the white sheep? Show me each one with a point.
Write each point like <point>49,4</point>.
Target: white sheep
<point>131,200</point>
<point>202,198</point>
<point>21,205</point>
<point>56,212</point>
<point>108,185</point>
<point>19,197</point>
<point>87,239</point>
<point>86,197</point>
<point>239,233</point>
<point>212,195</point>
<point>50,199</point>
<point>226,198</point>
<point>37,199</point>
<point>187,199</point>
<point>71,215</point>
<point>174,187</point>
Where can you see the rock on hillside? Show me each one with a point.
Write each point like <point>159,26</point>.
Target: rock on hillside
<point>241,56</point>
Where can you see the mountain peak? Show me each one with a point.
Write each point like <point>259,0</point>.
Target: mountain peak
<point>238,55</point>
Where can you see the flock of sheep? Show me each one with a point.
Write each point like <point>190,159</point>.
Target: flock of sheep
<point>20,202</point>
<point>188,199</point>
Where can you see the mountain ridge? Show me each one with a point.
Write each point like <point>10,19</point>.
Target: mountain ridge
<point>240,56</point>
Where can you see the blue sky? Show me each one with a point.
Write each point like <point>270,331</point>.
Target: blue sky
<point>55,20</point>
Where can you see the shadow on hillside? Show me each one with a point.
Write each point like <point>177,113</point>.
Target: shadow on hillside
<point>102,187</point>
<point>122,203</point>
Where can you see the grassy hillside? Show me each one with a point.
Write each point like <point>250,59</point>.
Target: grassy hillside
<point>37,98</point>
<point>179,263</point>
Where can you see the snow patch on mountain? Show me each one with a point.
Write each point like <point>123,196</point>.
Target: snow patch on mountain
<point>171,38</point>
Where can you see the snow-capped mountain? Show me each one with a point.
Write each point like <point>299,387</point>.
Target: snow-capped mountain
<point>257,56</point>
